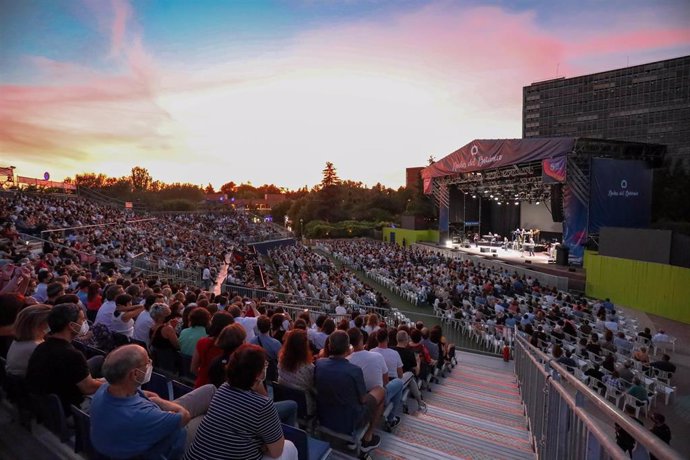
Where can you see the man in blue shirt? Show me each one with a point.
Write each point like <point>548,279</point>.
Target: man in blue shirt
<point>128,422</point>
<point>342,400</point>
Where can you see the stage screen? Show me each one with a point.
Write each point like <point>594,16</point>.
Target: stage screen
<point>620,194</point>
<point>538,216</point>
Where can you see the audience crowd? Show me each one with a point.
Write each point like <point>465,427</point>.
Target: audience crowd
<point>80,296</point>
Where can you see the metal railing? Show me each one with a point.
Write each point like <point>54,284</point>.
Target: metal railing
<point>568,419</point>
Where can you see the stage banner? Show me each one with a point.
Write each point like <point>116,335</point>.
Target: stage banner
<point>620,194</point>
<point>483,154</point>
<point>553,170</point>
<point>574,223</point>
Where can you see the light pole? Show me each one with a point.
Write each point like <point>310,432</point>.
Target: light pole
<point>301,228</point>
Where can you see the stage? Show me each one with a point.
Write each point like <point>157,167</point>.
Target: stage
<point>539,262</point>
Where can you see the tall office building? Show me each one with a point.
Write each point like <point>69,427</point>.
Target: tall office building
<point>643,103</point>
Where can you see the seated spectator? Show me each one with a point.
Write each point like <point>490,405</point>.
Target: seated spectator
<point>641,355</point>
<point>595,373</point>
<point>105,314</point>
<point>41,294</point>
<point>608,342</point>
<point>614,381</point>
<point>343,402</point>
<point>164,341</point>
<point>56,366</point>
<point>206,350</point>
<point>270,345</point>
<point>30,329</point>
<point>144,322</point>
<point>411,362</point>
<point>279,326</point>
<point>660,429</point>
<point>199,319</point>
<point>122,321</point>
<point>664,365</point>
<point>625,372</point>
<point>10,306</point>
<point>638,391</point>
<point>661,337</point>
<point>594,346</point>
<point>609,363</point>
<point>568,361</point>
<point>94,300</point>
<point>229,340</point>
<point>646,334</point>
<point>376,374</point>
<point>127,422</point>
<point>242,422</point>
<point>623,345</point>
<point>295,366</point>
<point>318,338</point>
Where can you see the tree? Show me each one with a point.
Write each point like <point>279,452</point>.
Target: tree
<point>141,179</point>
<point>431,160</point>
<point>229,188</point>
<point>209,189</point>
<point>90,180</point>
<point>330,176</point>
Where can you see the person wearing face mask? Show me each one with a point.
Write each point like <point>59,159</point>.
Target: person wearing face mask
<point>129,422</point>
<point>56,366</point>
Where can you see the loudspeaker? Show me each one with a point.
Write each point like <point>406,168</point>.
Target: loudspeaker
<point>495,255</point>
<point>557,202</point>
<point>528,261</point>
<point>483,249</point>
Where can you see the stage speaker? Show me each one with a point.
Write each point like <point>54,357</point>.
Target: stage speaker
<point>483,249</point>
<point>528,261</point>
<point>557,202</point>
<point>494,250</point>
<point>495,255</point>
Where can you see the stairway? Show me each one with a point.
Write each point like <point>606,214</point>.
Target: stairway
<point>476,412</point>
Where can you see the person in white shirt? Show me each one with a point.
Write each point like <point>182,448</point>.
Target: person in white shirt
<point>122,321</point>
<point>661,336</point>
<point>144,322</point>
<point>248,323</point>
<point>41,294</point>
<point>105,313</point>
<point>376,373</point>
<point>206,278</point>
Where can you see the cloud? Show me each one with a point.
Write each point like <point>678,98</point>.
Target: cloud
<point>371,95</point>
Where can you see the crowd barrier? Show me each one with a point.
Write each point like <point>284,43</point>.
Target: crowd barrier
<point>570,420</point>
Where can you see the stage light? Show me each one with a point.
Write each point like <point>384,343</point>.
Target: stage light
<point>491,196</point>
<point>474,196</point>
<point>499,203</point>
<point>516,203</point>
<point>496,198</point>
<point>537,203</point>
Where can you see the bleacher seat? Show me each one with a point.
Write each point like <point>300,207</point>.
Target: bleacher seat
<point>308,448</point>
<point>160,385</point>
<point>286,393</point>
<point>179,389</point>
<point>50,413</point>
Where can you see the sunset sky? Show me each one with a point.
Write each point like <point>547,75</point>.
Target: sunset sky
<point>267,92</point>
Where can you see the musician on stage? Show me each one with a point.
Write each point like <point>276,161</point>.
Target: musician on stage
<point>530,246</point>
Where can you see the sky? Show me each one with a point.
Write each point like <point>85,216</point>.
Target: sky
<point>212,91</point>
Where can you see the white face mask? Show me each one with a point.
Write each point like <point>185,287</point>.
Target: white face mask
<point>83,329</point>
<point>147,375</point>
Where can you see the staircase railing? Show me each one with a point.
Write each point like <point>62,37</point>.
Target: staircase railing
<point>570,420</point>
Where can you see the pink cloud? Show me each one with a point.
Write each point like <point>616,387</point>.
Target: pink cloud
<point>123,12</point>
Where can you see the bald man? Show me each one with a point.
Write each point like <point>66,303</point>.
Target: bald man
<point>129,422</point>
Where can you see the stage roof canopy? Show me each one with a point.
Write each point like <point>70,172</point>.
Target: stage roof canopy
<point>494,154</point>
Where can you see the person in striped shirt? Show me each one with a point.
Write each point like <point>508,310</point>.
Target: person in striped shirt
<point>242,422</point>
